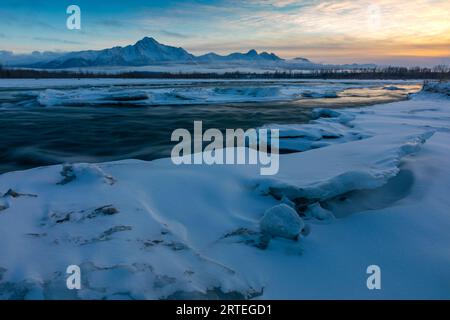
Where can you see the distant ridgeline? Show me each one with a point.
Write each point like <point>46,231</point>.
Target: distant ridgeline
<point>149,52</point>
<point>439,72</point>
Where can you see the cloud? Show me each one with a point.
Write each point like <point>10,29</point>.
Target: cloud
<point>174,34</point>
<point>55,40</point>
<point>276,3</point>
<point>115,23</point>
<point>312,28</point>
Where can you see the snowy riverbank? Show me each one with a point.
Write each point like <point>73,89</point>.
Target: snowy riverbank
<point>370,188</point>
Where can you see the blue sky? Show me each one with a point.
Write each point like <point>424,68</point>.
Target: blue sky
<point>322,30</point>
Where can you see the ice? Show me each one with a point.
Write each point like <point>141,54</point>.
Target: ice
<point>282,221</point>
<point>335,84</point>
<point>316,95</point>
<point>156,92</point>
<point>249,91</point>
<point>158,96</point>
<point>83,97</point>
<point>437,87</point>
<point>393,88</point>
<point>329,127</point>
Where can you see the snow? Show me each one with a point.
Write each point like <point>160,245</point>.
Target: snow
<point>154,230</point>
<point>319,133</point>
<point>316,211</point>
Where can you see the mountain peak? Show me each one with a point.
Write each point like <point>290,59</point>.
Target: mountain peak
<point>252,52</point>
<point>145,40</point>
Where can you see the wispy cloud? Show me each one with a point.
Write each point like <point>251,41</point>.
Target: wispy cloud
<point>174,34</point>
<point>56,40</point>
<point>333,28</point>
<point>321,29</point>
<point>114,23</point>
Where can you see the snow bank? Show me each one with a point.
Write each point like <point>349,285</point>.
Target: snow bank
<point>329,127</point>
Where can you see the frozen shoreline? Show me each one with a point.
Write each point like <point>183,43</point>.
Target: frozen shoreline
<point>136,92</point>
<point>45,83</point>
<point>152,230</point>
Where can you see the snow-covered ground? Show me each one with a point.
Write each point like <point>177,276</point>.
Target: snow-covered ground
<point>370,188</point>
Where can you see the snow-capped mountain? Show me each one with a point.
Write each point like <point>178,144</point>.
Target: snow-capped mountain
<point>149,53</point>
<point>146,52</point>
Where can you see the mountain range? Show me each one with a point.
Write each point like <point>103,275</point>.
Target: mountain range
<point>145,52</point>
<point>148,52</point>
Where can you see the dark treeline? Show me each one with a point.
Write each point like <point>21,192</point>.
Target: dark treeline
<point>441,72</point>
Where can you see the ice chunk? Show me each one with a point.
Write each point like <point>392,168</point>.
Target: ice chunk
<point>249,91</point>
<point>89,97</point>
<point>324,113</point>
<point>393,88</point>
<point>317,95</point>
<point>282,221</point>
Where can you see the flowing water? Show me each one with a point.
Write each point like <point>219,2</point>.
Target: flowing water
<point>35,135</point>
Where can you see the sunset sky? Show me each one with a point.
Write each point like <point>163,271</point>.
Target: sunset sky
<point>379,31</point>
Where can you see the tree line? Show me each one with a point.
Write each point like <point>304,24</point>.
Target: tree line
<point>440,72</point>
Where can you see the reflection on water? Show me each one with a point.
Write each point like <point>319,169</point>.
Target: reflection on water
<point>32,135</point>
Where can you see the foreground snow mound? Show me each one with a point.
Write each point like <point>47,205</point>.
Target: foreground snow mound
<point>124,243</point>
<point>364,164</point>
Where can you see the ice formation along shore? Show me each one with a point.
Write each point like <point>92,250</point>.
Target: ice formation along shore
<point>370,187</point>
<point>195,92</point>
